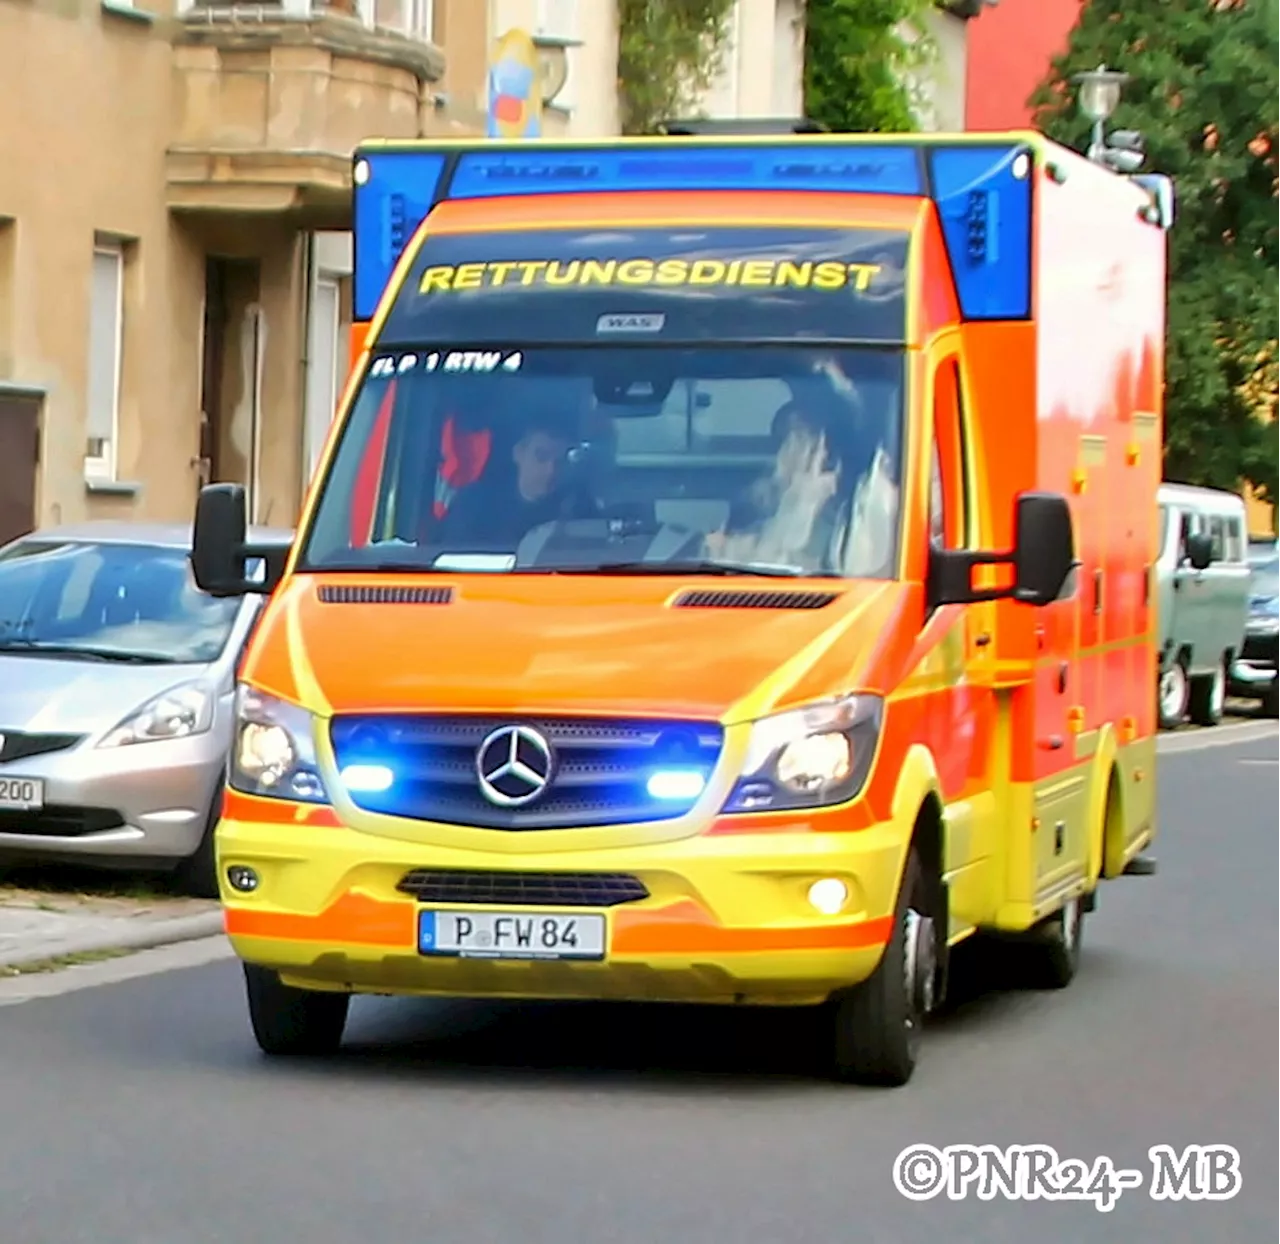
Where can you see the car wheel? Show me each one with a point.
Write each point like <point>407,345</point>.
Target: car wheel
<point>1271,701</point>
<point>197,875</point>
<point>1209,697</point>
<point>286,1020</point>
<point>1053,947</point>
<point>1173,695</point>
<point>876,1027</point>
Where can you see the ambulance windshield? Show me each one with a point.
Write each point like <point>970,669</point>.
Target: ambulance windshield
<point>743,459</point>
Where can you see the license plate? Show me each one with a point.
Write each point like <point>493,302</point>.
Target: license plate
<point>511,935</point>
<point>24,794</point>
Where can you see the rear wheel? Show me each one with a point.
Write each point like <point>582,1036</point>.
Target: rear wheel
<point>293,1021</point>
<point>1173,695</point>
<point>876,1026</point>
<point>1209,697</point>
<point>1053,947</point>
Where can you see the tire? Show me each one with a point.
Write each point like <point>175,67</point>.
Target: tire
<point>293,1021</point>
<point>197,875</point>
<point>875,1028</point>
<point>1209,697</point>
<point>1173,694</point>
<point>1053,947</point>
<point>1271,701</point>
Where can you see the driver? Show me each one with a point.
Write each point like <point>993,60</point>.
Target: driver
<point>537,493</point>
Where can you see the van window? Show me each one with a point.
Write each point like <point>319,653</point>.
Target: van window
<point>1235,540</point>
<point>783,458</point>
<point>1218,537</point>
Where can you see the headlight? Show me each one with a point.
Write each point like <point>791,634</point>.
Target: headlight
<point>274,751</point>
<point>810,758</point>
<point>174,714</point>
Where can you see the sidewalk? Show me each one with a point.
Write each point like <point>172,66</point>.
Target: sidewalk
<point>44,928</point>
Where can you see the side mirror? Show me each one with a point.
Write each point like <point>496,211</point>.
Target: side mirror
<point>221,561</point>
<point>1199,550</point>
<point>1042,558</point>
<point>1163,207</point>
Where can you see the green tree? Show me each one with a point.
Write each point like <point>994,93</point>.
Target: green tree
<point>860,61</point>
<point>1203,91</point>
<point>669,51</point>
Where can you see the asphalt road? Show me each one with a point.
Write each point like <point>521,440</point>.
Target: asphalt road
<point>140,1112</point>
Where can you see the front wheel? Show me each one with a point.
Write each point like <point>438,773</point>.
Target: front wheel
<point>293,1021</point>
<point>876,1026</point>
<point>1173,695</point>
<point>1209,697</point>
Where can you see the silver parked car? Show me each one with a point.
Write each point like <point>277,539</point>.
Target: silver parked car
<point>116,682</point>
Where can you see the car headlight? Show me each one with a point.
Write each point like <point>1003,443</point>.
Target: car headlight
<point>174,714</point>
<point>274,751</point>
<point>809,758</point>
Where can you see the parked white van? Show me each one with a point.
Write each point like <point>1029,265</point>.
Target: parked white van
<point>1202,578</point>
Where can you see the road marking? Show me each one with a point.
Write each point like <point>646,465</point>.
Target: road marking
<point>1217,736</point>
<point>18,989</point>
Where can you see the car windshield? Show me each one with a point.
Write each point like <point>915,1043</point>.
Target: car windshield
<point>81,599</point>
<point>721,460</point>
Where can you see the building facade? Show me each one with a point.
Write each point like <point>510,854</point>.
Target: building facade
<point>173,266</point>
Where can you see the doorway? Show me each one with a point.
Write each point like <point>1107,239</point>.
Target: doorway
<point>19,465</point>
<point>231,375</point>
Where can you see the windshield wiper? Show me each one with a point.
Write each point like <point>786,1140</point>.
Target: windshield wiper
<point>33,647</point>
<point>675,569</point>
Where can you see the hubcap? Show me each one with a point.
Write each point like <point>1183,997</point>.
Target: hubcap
<point>1173,689</point>
<point>920,965</point>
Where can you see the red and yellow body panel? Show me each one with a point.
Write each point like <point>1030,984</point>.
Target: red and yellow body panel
<point>1013,721</point>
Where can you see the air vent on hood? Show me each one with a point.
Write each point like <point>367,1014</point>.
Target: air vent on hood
<point>383,595</point>
<point>710,598</point>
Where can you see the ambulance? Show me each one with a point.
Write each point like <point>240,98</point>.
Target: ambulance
<point>728,580</point>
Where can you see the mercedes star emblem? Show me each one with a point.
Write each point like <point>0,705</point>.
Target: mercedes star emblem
<point>514,766</point>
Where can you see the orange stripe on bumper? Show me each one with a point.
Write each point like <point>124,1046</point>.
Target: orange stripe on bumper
<point>238,807</point>
<point>681,929</point>
<point>355,919</point>
<point>684,928</point>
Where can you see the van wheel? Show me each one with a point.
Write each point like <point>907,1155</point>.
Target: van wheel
<point>1173,695</point>
<point>1209,697</point>
<point>876,1026</point>
<point>1271,701</point>
<point>293,1021</point>
<point>1053,947</point>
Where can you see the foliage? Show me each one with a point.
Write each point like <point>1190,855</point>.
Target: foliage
<point>669,52</point>
<point>860,63</point>
<point>1203,91</point>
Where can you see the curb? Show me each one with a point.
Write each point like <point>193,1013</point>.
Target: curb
<point>154,933</point>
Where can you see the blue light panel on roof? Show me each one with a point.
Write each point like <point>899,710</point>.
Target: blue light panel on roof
<point>871,170</point>
<point>984,200</point>
<point>391,204</point>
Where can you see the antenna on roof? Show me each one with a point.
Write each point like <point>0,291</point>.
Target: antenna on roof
<point>697,127</point>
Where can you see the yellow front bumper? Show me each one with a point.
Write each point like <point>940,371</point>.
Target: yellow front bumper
<point>727,918</point>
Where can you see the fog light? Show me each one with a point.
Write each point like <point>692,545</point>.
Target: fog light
<point>828,895</point>
<point>241,878</point>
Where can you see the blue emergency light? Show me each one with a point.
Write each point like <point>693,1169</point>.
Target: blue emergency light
<point>983,193</point>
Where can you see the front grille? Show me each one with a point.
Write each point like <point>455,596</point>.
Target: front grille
<point>599,768</point>
<point>1261,648</point>
<point>53,821</point>
<point>15,745</point>
<point>523,889</point>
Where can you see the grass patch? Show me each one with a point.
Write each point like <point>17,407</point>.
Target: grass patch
<point>57,962</point>
<point>69,881</point>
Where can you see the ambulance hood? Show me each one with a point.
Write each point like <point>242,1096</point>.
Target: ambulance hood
<point>708,648</point>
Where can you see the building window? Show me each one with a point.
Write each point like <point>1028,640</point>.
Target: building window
<point>414,18</point>
<point>106,340</point>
